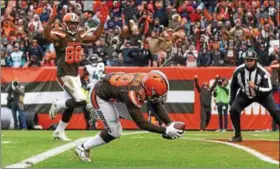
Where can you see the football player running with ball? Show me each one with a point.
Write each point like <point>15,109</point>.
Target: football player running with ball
<point>132,89</point>
<point>69,53</point>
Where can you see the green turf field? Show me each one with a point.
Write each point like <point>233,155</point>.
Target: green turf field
<point>136,150</point>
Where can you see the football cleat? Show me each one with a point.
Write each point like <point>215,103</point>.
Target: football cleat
<point>82,153</point>
<point>60,135</point>
<point>54,109</point>
<point>236,139</point>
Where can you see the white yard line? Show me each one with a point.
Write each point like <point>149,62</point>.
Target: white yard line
<point>248,150</point>
<point>53,152</point>
<point>6,142</point>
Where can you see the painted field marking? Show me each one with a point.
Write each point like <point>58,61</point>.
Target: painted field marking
<point>55,151</point>
<point>260,135</point>
<point>248,150</point>
<point>6,142</point>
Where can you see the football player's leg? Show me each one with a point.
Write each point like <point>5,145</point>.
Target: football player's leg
<point>108,114</point>
<point>74,98</point>
<point>59,104</point>
<point>74,89</point>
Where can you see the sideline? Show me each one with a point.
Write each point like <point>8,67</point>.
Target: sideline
<point>55,151</point>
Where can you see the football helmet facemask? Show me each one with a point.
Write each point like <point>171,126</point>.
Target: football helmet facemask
<point>71,21</point>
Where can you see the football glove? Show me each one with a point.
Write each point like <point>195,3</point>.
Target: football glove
<point>172,132</point>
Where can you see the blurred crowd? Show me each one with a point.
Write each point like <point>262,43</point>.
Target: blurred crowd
<point>190,33</point>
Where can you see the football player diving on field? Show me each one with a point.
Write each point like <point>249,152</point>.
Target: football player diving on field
<point>132,89</point>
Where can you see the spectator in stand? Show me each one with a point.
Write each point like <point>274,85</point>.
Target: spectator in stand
<point>204,58</point>
<point>17,57</point>
<point>35,50</point>
<point>217,58</point>
<point>3,59</point>
<point>161,12</point>
<point>141,56</point>
<point>48,60</point>
<point>262,51</point>
<point>241,53</point>
<point>33,62</point>
<point>230,56</point>
<point>128,11</point>
<point>275,55</point>
<point>178,58</point>
<point>191,57</point>
<point>44,16</point>
<point>154,44</point>
<point>8,28</point>
<point>6,46</point>
<point>127,61</point>
<point>36,22</point>
<point>215,24</point>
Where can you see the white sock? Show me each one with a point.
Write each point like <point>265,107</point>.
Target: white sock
<point>94,142</point>
<point>61,126</point>
<point>61,104</point>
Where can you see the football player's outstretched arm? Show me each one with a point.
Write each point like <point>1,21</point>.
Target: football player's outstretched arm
<point>137,117</point>
<point>48,28</point>
<point>142,123</point>
<point>161,112</point>
<point>92,37</point>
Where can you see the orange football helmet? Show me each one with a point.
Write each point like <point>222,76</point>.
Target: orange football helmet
<point>156,85</point>
<point>72,21</point>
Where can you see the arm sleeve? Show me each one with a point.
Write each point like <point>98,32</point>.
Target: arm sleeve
<point>214,85</point>
<point>266,85</point>
<point>197,85</point>
<point>226,90</point>
<point>234,87</point>
<point>160,110</point>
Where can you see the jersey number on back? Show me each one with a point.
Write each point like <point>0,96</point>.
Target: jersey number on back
<point>73,54</point>
<point>121,79</point>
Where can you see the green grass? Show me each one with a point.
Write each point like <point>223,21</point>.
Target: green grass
<point>132,151</point>
<point>25,144</point>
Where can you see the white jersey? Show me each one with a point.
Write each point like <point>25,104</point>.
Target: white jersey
<point>16,58</point>
<point>95,73</point>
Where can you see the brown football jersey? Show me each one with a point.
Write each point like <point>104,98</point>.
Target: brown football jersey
<point>69,52</point>
<point>123,87</point>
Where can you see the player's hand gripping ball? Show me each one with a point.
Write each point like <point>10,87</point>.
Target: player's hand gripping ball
<point>178,125</point>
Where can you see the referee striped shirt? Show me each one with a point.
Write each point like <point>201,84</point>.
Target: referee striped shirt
<point>241,77</point>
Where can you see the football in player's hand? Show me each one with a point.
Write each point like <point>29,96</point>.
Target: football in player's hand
<point>178,125</point>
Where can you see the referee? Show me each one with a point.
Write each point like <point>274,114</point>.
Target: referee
<point>255,86</point>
